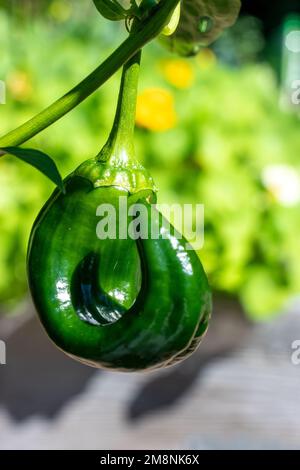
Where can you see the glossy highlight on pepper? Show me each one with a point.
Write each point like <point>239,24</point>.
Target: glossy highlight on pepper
<point>122,304</point>
<point>114,303</point>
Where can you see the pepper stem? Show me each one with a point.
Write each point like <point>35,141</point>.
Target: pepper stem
<point>119,148</point>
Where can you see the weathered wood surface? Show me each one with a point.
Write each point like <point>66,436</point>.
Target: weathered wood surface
<point>247,399</point>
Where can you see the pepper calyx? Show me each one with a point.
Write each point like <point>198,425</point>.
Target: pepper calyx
<point>131,176</point>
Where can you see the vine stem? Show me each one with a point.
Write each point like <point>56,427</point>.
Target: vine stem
<point>145,32</point>
<point>119,148</point>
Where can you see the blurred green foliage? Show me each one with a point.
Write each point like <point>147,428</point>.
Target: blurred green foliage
<point>230,132</point>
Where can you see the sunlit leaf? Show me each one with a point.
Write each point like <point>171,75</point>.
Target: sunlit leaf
<point>39,160</point>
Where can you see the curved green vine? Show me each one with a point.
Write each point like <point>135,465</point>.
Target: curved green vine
<point>142,34</point>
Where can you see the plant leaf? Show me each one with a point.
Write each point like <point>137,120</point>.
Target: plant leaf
<point>110,9</point>
<point>39,160</point>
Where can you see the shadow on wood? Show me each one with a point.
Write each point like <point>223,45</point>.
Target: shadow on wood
<point>38,379</point>
<point>227,331</point>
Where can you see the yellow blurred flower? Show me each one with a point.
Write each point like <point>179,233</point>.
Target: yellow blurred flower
<point>178,72</point>
<point>19,85</point>
<point>155,110</point>
<point>206,59</point>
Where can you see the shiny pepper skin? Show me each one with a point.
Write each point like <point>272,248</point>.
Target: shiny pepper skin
<point>119,304</point>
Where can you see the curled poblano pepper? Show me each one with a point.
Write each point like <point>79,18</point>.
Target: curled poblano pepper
<point>201,22</point>
<point>127,303</point>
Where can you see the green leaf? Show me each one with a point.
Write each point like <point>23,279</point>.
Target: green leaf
<point>110,9</point>
<point>39,160</point>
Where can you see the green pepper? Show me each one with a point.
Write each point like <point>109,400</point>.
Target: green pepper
<point>124,303</point>
<point>201,22</point>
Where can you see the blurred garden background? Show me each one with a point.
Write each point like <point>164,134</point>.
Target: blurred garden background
<point>219,129</point>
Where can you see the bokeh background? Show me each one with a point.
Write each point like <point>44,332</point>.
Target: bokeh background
<point>220,129</point>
